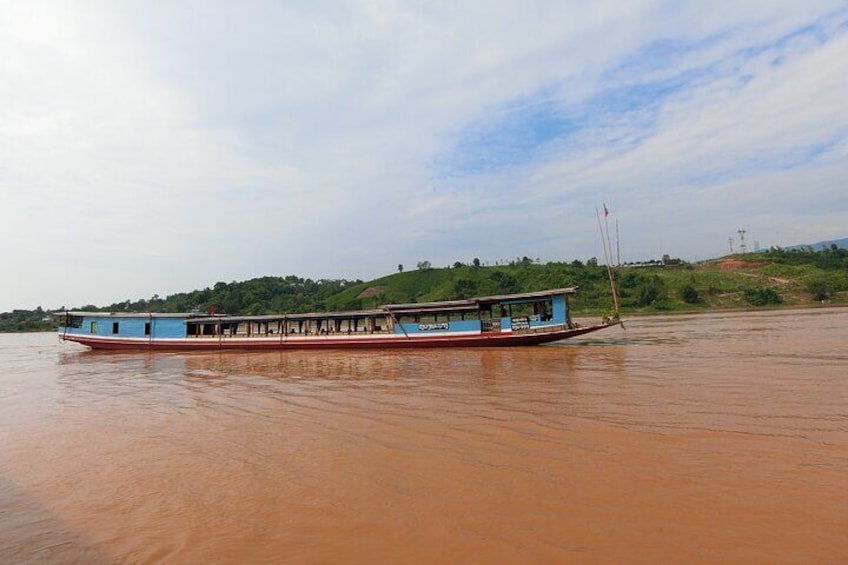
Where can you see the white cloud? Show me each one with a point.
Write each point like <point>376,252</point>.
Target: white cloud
<point>153,148</point>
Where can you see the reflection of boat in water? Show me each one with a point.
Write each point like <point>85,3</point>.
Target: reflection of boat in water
<point>512,319</point>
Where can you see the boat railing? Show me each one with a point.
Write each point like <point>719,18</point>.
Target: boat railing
<point>540,329</point>
<point>276,334</point>
<point>490,325</point>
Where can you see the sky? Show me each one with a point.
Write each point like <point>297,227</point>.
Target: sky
<point>160,147</point>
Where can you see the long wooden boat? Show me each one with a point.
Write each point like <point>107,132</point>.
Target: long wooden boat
<point>511,319</point>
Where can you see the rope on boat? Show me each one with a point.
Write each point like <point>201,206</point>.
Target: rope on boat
<point>396,321</point>
<point>607,254</point>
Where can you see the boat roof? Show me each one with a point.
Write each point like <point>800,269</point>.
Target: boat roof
<point>474,303</point>
<point>277,317</point>
<point>464,305</point>
<point>121,314</point>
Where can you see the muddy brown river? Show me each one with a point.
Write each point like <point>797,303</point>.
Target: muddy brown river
<point>713,438</point>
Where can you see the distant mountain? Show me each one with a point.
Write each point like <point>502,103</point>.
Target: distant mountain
<point>843,243</point>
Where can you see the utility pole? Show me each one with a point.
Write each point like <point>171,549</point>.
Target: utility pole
<point>730,242</point>
<point>742,247</point>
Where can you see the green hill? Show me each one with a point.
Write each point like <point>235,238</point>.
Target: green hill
<point>777,277</point>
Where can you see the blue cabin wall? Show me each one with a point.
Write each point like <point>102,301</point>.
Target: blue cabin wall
<point>453,326</point>
<point>560,309</point>
<point>559,313</point>
<point>169,327</point>
<point>127,327</point>
<point>132,326</point>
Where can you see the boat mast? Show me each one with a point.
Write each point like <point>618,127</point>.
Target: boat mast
<point>617,246</point>
<point>607,253</point>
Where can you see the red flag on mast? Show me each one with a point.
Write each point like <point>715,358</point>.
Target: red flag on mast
<point>606,212</point>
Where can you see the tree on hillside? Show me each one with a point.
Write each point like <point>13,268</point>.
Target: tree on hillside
<point>505,283</point>
<point>689,294</point>
<point>762,296</point>
<point>819,289</point>
<point>400,267</point>
<point>464,288</point>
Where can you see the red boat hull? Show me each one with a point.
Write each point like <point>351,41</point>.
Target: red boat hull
<point>392,341</point>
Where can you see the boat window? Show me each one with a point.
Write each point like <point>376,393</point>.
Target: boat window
<point>114,327</point>
<point>92,328</point>
<point>69,321</point>
<point>146,328</point>
<point>524,310</point>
